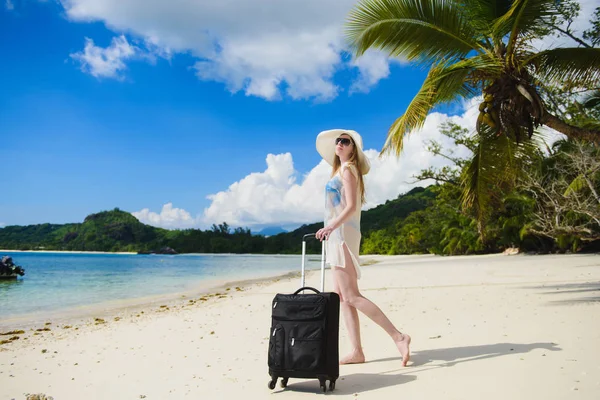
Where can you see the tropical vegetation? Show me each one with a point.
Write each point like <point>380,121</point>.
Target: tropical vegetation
<point>496,50</point>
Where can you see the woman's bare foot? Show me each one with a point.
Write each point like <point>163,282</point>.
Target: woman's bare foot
<point>355,357</point>
<point>404,347</point>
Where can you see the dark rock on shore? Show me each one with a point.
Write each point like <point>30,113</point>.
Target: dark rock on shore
<point>163,250</point>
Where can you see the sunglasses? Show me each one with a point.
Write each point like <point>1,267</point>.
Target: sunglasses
<point>343,141</point>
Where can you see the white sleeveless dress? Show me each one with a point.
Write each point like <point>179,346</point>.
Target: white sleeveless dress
<point>349,232</point>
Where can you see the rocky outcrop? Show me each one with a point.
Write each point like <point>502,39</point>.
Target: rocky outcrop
<point>163,250</point>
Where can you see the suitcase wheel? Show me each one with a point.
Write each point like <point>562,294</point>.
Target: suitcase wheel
<point>272,384</point>
<point>283,382</point>
<point>323,384</point>
<point>331,386</point>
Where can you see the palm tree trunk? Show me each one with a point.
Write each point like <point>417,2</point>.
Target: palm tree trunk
<point>571,131</point>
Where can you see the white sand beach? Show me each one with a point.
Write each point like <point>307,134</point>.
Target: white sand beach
<point>493,327</point>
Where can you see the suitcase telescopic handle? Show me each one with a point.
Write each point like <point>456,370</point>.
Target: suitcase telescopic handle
<point>306,288</point>
<point>307,236</point>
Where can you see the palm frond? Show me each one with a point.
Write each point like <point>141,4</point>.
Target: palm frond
<point>523,18</point>
<point>483,13</point>
<point>477,184</point>
<point>424,31</point>
<point>493,171</point>
<point>444,83</point>
<point>576,64</point>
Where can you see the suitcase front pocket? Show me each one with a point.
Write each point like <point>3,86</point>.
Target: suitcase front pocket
<point>305,347</point>
<point>276,347</point>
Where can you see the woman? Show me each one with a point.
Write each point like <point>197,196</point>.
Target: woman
<point>345,194</point>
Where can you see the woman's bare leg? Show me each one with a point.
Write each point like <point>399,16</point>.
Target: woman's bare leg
<point>347,283</point>
<point>353,326</point>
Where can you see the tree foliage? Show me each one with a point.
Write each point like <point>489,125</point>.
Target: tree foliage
<point>485,48</point>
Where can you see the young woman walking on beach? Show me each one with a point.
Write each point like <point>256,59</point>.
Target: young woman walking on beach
<point>345,194</point>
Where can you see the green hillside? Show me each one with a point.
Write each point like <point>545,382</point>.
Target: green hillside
<point>114,230</point>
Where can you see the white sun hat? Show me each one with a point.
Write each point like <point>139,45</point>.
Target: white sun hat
<point>326,147</point>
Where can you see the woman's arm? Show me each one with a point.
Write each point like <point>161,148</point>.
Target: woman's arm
<point>350,188</point>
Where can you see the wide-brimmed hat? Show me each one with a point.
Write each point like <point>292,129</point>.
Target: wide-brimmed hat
<point>326,147</point>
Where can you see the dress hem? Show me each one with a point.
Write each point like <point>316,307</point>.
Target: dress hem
<point>355,261</point>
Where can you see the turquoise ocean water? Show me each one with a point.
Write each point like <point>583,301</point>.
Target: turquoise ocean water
<point>60,281</point>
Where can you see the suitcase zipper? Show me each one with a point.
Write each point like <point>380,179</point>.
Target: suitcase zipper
<point>304,340</point>
<point>277,348</point>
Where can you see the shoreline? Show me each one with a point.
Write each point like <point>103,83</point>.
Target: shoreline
<point>158,254</point>
<point>116,308</point>
<point>209,287</point>
<point>64,251</point>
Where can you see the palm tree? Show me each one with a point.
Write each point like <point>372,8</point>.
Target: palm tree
<point>475,46</point>
<point>478,47</point>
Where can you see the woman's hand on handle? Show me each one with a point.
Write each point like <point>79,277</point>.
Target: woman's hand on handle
<point>324,233</point>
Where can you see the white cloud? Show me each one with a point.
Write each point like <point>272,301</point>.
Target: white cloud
<point>169,217</point>
<point>265,48</point>
<point>9,5</point>
<point>373,66</point>
<point>270,197</point>
<point>106,62</point>
<point>2,224</point>
<point>259,66</point>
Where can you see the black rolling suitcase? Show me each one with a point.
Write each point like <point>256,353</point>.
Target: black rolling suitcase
<point>304,338</point>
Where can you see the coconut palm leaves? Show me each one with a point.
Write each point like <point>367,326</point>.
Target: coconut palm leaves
<point>495,35</point>
<point>523,19</point>
<point>419,31</point>
<point>581,65</point>
<point>443,84</point>
<point>492,171</point>
<point>478,47</point>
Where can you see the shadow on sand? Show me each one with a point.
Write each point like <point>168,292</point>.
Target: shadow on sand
<point>456,355</point>
<point>351,383</point>
<point>573,289</point>
<point>364,382</point>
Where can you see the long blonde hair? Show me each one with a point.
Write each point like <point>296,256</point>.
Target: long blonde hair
<point>356,162</point>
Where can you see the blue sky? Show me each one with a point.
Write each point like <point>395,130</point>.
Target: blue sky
<point>172,111</point>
